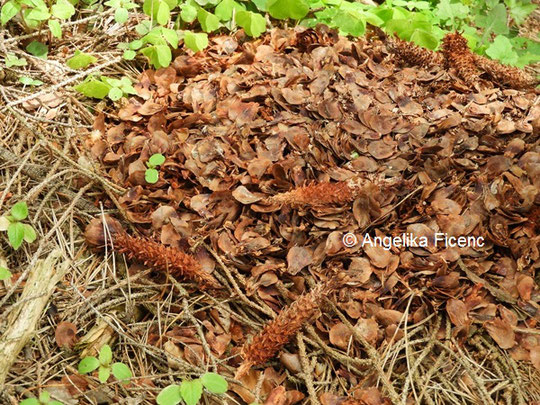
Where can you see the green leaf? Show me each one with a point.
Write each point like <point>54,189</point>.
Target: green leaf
<point>8,11</point>
<point>170,36</point>
<point>520,11</point>
<point>13,60</point>
<point>143,27</point>
<point>93,88</point>
<point>56,29</point>
<point>164,55</point>
<point>169,395</point>
<point>425,39</point>
<point>224,10</point>
<point>129,54</point>
<point>44,397</point>
<point>121,372</point>
<point>350,22</point>
<point>29,81</point>
<point>196,42</point>
<point>151,176</point>
<point>121,15</point>
<point>15,234</point>
<point>262,5</point>
<point>209,22</point>
<point>191,391</point>
<point>37,14</point>
<point>105,355</point>
<point>283,9</point>
<point>214,383</point>
<point>150,7</point>
<point>104,373</point>
<point>29,233</point>
<point>4,273</point>
<point>254,24</point>
<point>37,49</point>
<point>448,11</point>
<point>63,9</point>
<point>135,44</point>
<point>80,60</point>
<point>115,94</point>
<point>501,49</point>
<point>30,401</point>
<point>156,159</point>
<point>20,211</point>
<point>88,364</point>
<point>188,12</point>
<point>494,21</point>
<point>163,14</point>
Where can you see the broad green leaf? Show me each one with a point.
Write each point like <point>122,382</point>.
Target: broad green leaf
<point>143,27</point>
<point>29,81</point>
<point>37,14</point>
<point>29,233</point>
<point>93,88</point>
<point>519,11</point>
<point>121,372</point>
<point>502,50</point>
<point>164,55</point>
<point>56,29</point>
<point>44,397</point>
<point>188,12</point>
<point>224,10</point>
<point>196,41</point>
<point>191,391</point>
<point>209,22</point>
<point>283,9</point>
<point>15,234</point>
<point>13,60</point>
<point>156,159</point>
<point>170,36</point>
<point>4,273</point>
<point>104,373</point>
<point>115,94</point>
<point>151,176</point>
<point>88,364</point>
<point>214,383</point>
<point>63,9</point>
<point>424,39</point>
<point>262,5</point>
<point>494,21</point>
<point>254,24</point>
<point>121,15</point>
<point>105,355</point>
<point>37,49</point>
<point>135,44</point>
<point>163,14</point>
<point>129,54</point>
<point>30,401</point>
<point>448,11</point>
<point>169,395</point>
<point>80,60</point>
<point>20,211</point>
<point>150,7</point>
<point>8,11</point>
<point>350,22</point>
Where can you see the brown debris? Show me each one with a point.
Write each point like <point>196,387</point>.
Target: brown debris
<point>510,76</point>
<point>459,56</point>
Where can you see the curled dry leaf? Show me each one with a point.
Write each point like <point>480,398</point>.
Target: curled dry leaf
<point>65,335</point>
<point>501,332</point>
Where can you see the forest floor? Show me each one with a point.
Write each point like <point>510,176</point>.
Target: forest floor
<point>275,149</point>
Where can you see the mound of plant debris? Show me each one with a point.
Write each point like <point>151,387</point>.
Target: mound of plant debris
<point>275,149</point>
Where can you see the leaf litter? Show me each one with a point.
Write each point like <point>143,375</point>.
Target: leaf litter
<point>276,148</point>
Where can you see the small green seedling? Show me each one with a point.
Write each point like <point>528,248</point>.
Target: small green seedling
<point>119,370</point>
<point>104,86</point>
<point>44,399</point>
<point>12,60</point>
<point>122,7</point>
<point>190,391</point>
<point>28,81</point>
<point>17,231</point>
<point>152,175</point>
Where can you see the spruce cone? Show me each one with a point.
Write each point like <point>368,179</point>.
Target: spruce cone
<point>309,39</point>
<point>320,194</point>
<point>505,75</point>
<point>460,57</point>
<point>155,255</point>
<point>278,332</point>
<point>412,54</point>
